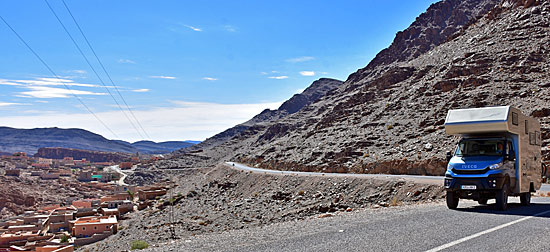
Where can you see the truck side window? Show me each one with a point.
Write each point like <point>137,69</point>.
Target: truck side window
<point>510,147</point>
<point>459,149</point>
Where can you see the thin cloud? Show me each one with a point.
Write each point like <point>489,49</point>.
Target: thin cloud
<point>43,92</point>
<point>193,28</point>
<point>78,71</point>
<point>300,59</point>
<point>163,77</point>
<point>230,28</point>
<point>307,73</point>
<point>9,83</point>
<point>46,81</point>
<point>126,61</point>
<point>141,90</point>
<point>209,79</point>
<point>278,77</point>
<point>5,104</point>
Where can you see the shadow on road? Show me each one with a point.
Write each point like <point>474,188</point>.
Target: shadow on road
<point>513,209</point>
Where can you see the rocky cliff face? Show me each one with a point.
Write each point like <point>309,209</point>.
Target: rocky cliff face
<point>388,117</point>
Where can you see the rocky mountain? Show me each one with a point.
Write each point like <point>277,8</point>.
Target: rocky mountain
<point>314,92</point>
<point>30,140</point>
<point>388,117</point>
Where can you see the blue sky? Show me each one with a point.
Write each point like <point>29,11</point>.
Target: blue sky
<point>188,69</point>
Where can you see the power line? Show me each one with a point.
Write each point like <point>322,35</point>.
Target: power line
<point>105,70</point>
<point>56,76</point>
<point>93,69</point>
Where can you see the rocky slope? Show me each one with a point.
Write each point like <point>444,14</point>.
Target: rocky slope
<point>388,117</point>
<point>30,140</point>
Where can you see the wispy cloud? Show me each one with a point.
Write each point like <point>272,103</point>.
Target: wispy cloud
<point>300,59</point>
<point>5,104</point>
<point>9,83</point>
<point>46,81</point>
<point>46,87</point>
<point>230,28</point>
<point>193,28</point>
<point>307,73</point>
<point>163,77</point>
<point>282,77</point>
<point>202,120</point>
<point>78,71</point>
<point>43,92</point>
<point>126,61</point>
<point>141,90</point>
<point>209,78</point>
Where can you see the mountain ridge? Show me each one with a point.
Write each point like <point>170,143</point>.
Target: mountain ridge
<point>30,140</point>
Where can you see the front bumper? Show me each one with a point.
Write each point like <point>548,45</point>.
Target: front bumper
<point>493,182</point>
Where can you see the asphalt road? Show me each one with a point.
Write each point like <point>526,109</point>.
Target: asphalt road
<point>428,227</point>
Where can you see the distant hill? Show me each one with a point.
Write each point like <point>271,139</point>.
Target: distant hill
<point>30,140</point>
<point>151,147</point>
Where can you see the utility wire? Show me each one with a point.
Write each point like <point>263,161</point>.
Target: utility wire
<point>105,70</point>
<point>57,76</point>
<point>93,69</point>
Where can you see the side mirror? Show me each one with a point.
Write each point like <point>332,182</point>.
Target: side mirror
<point>511,156</point>
<point>449,156</point>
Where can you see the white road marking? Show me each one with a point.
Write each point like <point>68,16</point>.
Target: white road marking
<point>450,244</point>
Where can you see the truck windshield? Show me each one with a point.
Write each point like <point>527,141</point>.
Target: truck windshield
<point>480,147</point>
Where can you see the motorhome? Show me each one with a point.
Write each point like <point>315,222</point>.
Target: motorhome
<point>498,155</point>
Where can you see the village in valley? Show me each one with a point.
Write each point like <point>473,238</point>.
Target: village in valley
<point>73,221</point>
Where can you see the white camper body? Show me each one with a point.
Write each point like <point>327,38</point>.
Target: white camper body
<point>503,131</point>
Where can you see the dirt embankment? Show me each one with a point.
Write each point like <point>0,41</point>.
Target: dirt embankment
<point>223,199</point>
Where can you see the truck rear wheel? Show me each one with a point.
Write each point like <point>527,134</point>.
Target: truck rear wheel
<point>502,198</point>
<point>452,200</point>
<point>525,198</point>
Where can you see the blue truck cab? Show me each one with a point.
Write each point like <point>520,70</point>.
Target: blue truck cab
<point>498,155</point>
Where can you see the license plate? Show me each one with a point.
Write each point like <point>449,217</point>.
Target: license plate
<point>468,187</point>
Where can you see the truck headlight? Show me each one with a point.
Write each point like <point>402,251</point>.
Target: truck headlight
<point>494,166</point>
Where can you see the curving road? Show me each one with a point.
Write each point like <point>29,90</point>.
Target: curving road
<point>418,179</point>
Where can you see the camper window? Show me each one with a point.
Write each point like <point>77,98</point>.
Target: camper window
<point>537,137</point>
<point>515,118</point>
<point>526,127</point>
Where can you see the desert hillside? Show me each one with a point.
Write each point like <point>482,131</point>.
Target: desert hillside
<point>388,117</point>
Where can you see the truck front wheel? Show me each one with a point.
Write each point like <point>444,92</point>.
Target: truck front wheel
<point>502,198</point>
<point>525,198</point>
<point>452,200</point>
